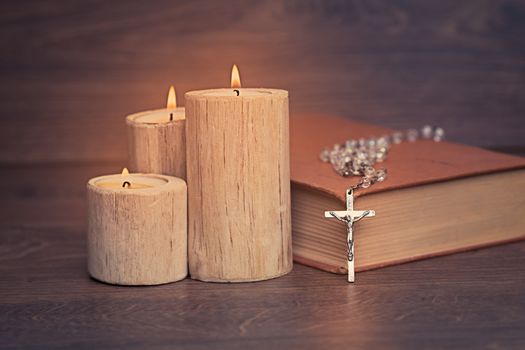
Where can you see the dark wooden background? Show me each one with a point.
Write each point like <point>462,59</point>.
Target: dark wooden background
<point>71,70</point>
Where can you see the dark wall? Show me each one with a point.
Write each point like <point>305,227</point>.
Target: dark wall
<point>70,72</point>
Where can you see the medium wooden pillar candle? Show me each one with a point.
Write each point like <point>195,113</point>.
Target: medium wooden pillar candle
<point>157,140</point>
<point>137,229</point>
<point>238,184</point>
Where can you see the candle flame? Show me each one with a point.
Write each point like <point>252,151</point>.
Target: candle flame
<point>125,172</point>
<point>172,99</point>
<point>236,78</point>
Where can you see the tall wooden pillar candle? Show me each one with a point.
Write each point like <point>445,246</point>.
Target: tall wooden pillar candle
<point>157,141</point>
<point>238,184</point>
<point>137,229</point>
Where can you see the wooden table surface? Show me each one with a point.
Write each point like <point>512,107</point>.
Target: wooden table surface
<point>47,300</point>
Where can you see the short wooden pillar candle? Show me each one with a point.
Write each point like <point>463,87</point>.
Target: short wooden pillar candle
<point>137,229</point>
<point>157,140</point>
<point>238,184</point>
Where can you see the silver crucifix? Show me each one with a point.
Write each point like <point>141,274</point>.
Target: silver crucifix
<point>350,216</point>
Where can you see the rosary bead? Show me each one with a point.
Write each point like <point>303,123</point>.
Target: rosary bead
<point>325,155</point>
<point>350,143</point>
<point>365,182</point>
<point>412,135</point>
<point>369,171</point>
<point>380,175</point>
<point>397,137</point>
<point>426,132</point>
<point>381,156</point>
<point>383,141</point>
<point>361,155</point>
<point>334,157</point>
<point>439,134</point>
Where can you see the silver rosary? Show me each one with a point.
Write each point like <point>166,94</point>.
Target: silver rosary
<point>357,158</point>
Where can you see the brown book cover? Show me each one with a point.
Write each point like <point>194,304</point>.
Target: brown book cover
<point>409,164</point>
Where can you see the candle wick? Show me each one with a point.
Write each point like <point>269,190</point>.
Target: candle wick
<point>126,184</point>
<point>171,117</point>
<point>237,92</point>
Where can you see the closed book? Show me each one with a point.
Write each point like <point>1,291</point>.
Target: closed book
<point>439,198</point>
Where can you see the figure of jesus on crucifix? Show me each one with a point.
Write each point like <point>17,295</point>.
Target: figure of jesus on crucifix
<point>350,216</point>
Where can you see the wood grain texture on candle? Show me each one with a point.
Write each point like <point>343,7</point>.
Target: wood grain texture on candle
<point>137,236</point>
<point>239,185</point>
<point>156,144</point>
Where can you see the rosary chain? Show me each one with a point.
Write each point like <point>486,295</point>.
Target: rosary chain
<point>357,157</point>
